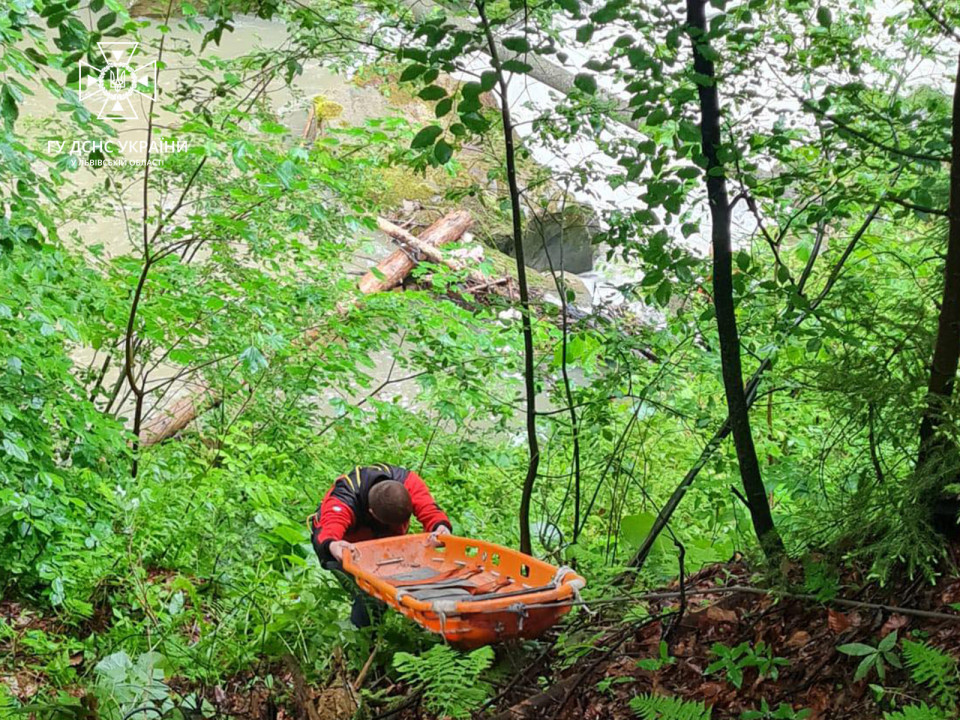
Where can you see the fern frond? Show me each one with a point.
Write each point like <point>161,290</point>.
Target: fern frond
<point>916,712</point>
<point>661,707</point>
<point>450,680</point>
<point>933,669</point>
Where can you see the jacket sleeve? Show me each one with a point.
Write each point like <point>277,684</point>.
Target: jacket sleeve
<point>330,523</point>
<point>425,507</point>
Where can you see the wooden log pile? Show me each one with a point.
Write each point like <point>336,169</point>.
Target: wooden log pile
<point>392,270</point>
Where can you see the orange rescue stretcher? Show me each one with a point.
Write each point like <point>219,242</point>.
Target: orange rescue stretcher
<point>472,592</point>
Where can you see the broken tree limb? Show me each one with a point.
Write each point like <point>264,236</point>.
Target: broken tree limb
<point>391,271</point>
<point>476,279</point>
<point>415,245</point>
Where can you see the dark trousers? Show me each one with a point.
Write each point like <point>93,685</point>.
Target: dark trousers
<point>365,609</point>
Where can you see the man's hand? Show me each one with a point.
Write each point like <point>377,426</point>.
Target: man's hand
<point>337,547</point>
<point>434,539</point>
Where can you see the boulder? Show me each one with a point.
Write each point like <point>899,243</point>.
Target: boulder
<point>564,240</point>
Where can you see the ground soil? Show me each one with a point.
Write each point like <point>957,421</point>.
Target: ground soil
<point>542,681</point>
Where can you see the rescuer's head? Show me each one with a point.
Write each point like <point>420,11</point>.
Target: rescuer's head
<point>390,503</point>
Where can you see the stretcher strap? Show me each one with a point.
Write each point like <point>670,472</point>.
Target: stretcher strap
<point>401,581</point>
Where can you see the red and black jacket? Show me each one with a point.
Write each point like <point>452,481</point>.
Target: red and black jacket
<point>344,513</point>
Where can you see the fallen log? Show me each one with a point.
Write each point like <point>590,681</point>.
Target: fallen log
<point>391,271</point>
<point>169,421</point>
<point>177,416</point>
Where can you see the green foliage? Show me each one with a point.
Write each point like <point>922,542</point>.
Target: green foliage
<point>450,680</point>
<point>55,462</point>
<point>123,684</point>
<point>203,557</point>
<point>783,711</point>
<point>874,658</point>
<point>934,669</point>
<point>917,712</point>
<point>821,579</point>
<point>732,661</point>
<point>661,707</point>
<point>658,663</point>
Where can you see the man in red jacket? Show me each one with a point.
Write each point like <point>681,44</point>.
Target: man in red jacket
<point>369,502</point>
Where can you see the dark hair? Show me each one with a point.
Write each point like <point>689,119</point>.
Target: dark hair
<point>390,503</point>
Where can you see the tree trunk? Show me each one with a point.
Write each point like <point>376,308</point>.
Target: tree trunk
<point>529,371</point>
<point>934,458</point>
<point>395,267</point>
<point>723,285</point>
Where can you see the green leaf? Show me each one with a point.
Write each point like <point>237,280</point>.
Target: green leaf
<point>864,668</point>
<point>411,72</point>
<point>443,152</point>
<point>516,66</point>
<point>432,92</point>
<point>487,80</point>
<point>292,535</point>
<point>607,13</point>
<point>824,16</point>
<point>472,90</point>
<point>888,642</point>
<point>413,53</point>
<point>106,20</point>
<point>657,117</point>
<point>857,649</point>
<point>239,152</point>
<point>8,106</point>
<point>585,32</point>
<point>253,360</point>
<point>476,122</point>
<point>426,137</point>
<point>585,83</point>
<point>15,450</point>
<point>286,173</point>
<point>517,44</point>
<point>443,107</point>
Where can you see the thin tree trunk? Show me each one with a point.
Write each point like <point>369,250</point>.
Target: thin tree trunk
<point>934,448</point>
<point>666,512</point>
<point>530,385</point>
<point>737,406</point>
<point>542,69</point>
